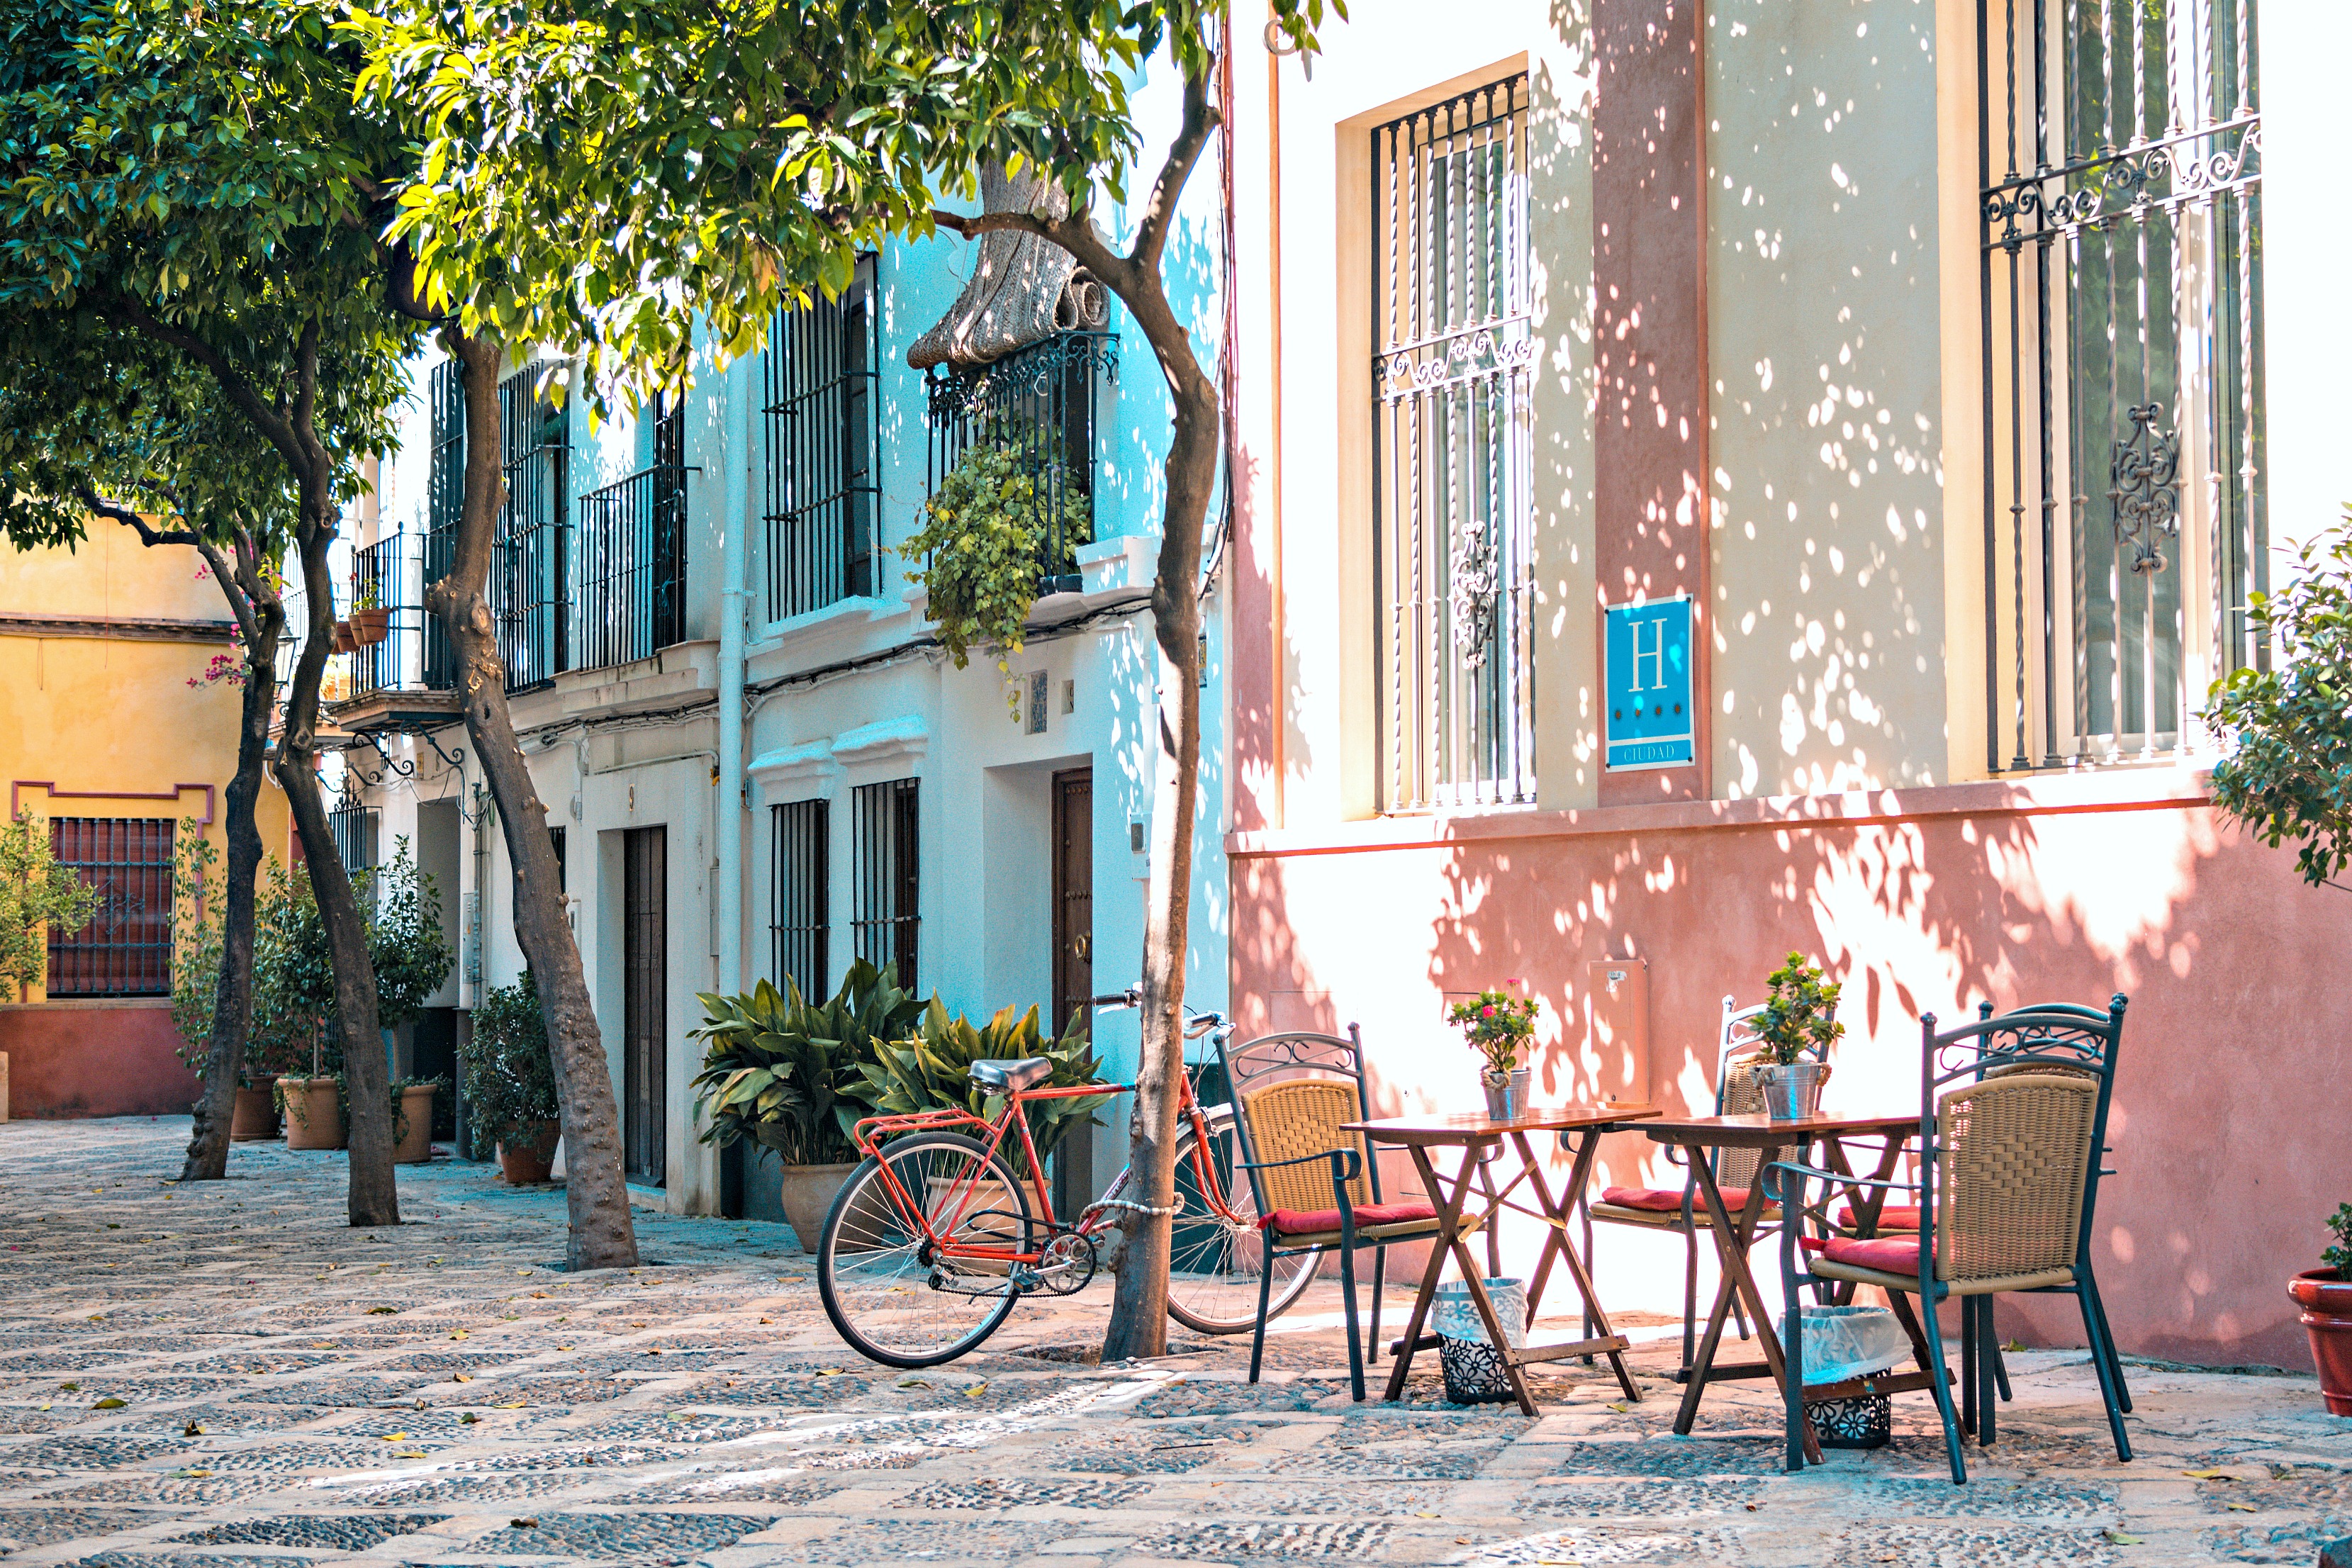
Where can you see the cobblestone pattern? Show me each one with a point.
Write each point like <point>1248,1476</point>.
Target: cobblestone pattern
<point>755,1438</point>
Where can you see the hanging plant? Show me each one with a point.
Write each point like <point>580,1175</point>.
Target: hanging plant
<point>982,534</point>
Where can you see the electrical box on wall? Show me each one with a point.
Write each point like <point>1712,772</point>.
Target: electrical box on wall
<point>1617,1026</point>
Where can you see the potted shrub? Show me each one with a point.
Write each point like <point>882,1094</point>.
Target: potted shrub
<point>2324,1294</point>
<point>1798,1028</point>
<point>1500,1025</point>
<point>371,622</point>
<point>776,1069</point>
<point>412,1120</point>
<point>510,1084</point>
<point>197,943</point>
<point>931,1070</point>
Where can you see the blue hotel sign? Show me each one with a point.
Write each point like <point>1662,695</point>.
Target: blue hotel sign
<point>1646,677</point>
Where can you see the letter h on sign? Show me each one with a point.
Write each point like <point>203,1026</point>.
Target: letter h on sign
<point>1646,677</point>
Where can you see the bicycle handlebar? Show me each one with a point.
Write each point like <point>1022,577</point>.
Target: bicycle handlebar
<point>1195,1024</point>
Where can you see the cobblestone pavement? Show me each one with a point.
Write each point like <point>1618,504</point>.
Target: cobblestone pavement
<point>195,1377</point>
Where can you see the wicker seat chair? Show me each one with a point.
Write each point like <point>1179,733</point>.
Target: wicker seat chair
<point>2053,1036</point>
<point>1318,1188</point>
<point>1736,1093</point>
<point>2007,1135</point>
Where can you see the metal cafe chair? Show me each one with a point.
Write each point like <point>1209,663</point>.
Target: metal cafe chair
<point>1317,1186</point>
<point>1677,1212</point>
<point>2010,1123</point>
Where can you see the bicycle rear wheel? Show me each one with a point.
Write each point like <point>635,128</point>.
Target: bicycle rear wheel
<point>884,1285</point>
<point>1216,1254</point>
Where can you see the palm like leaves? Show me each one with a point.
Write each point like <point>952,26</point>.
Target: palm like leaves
<point>777,1067</point>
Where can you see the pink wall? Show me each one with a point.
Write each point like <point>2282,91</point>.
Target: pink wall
<point>68,1059</point>
<point>2226,1131</point>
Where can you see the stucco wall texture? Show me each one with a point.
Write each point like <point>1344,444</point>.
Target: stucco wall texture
<point>1928,902</point>
<point>69,1060</point>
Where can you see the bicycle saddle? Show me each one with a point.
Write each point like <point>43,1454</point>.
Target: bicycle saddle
<point>1006,1077</point>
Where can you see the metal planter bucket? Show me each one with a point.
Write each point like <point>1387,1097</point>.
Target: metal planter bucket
<point>1508,1100</point>
<point>1473,1368</point>
<point>1792,1091</point>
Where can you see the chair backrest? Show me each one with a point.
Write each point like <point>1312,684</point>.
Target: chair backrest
<point>1736,1090</point>
<point>2054,1044</point>
<point>1292,1093</point>
<point>2010,1153</point>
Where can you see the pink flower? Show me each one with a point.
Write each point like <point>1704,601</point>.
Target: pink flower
<point>1487,1012</point>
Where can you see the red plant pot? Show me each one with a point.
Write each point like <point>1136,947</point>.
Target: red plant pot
<point>2326,1297</point>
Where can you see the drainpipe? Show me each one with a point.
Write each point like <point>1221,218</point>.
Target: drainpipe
<point>733,614</point>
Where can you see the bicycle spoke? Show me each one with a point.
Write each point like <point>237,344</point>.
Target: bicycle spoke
<point>888,1285</point>
<point>1217,1255</point>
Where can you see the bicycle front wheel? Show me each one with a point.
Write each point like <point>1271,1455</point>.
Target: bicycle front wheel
<point>891,1290</point>
<point>1217,1255</point>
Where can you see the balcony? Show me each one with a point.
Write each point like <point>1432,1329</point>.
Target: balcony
<point>633,566</point>
<point>1046,401</point>
<point>404,682</point>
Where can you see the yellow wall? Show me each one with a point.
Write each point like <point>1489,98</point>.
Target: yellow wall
<point>111,718</point>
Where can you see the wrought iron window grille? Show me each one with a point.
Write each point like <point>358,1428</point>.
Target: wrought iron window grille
<point>823,483</point>
<point>126,948</point>
<point>444,503</point>
<point>799,900</point>
<point>530,571</point>
<point>1047,402</point>
<point>2124,520</point>
<point>886,846</point>
<point>632,554</point>
<point>1453,328</point>
<point>353,826</point>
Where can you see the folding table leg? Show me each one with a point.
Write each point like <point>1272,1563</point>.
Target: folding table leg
<point>1595,1315</point>
<point>1449,1219</point>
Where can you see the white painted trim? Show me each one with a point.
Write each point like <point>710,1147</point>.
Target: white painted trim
<point>788,773</point>
<point>883,741</point>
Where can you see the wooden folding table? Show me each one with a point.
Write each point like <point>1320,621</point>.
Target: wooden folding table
<point>1479,1137</point>
<point>1733,1235</point>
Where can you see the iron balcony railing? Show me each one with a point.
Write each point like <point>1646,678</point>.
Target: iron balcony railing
<point>530,571</point>
<point>1045,403</point>
<point>414,656</point>
<point>633,566</point>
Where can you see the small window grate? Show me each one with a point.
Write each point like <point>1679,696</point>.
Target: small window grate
<point>353,830</point>
<point>799,903</point>
<point>126,949</point>
<point>887,824</point>
<point>824,486</point>
<point>531,577</point>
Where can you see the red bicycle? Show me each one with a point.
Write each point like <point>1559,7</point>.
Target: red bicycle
<point>943,1227</point>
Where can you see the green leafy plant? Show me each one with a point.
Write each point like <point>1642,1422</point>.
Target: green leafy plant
<point>981,535</point>
<point>1800,1013</point>
<point>1498,1026</point>
<point>509,1078</point>
<point>2339,1255</point>
<point>932,1071</point>
<point>197,943</point>
<point>293,982</point>
<point>776,1067</point>
<point>405,942</point>
<point>2288,729</point>
<point>34,894</point>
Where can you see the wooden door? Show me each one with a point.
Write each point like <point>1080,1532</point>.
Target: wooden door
<point>644,1001</point>
<point>1074,967</point>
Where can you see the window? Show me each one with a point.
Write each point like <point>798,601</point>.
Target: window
<point>354,828</point>
<point>888,834</point>
<point>632,550</point>
<point>531,572</point>
<point>1451,452</point>
<point>2124,520</point>
<point>822,485</point>
<point>800,911</point>
<point>444,500</point>
<point>126,949</point>
<point>1043,402</point>
<point>562,874</point>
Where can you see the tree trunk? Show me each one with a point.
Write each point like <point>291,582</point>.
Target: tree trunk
<point>597,1193</point>
<point>208,1158</point>
<point>374,1198</point>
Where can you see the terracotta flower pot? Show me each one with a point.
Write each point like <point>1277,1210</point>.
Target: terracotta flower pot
<point>528,1164</point>
<point>256,1118</point>
<point>344,641</point>
<point>414,1126</point>
<point>369,627</point>
<point>2326,1297</point>
<point>807,1192</point>
<point>314,1113</point>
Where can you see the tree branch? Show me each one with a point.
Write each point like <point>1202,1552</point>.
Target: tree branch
<point>1076,233</point>
<point>233,591</point>
<point>1160,211</point>
<point>129,516</point>
<point>273,425</point>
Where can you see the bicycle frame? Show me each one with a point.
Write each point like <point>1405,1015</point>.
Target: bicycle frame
<point>870,1132</point>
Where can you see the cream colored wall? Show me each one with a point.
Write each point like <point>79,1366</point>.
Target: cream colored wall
<point>1385,60</point>
<point>1823,325</point>
<point>109,573</point>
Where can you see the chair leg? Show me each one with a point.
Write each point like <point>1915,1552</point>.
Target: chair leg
<point>1940,1385</point>
<point>1968,1364</point>
<point>1379,1287</point>
<point>2000,1369</point>
<point>2090,1289</point>
<point>1988,1364</point>
<point>2111,1381</point>
<point>1264,1299</point>
<point>1355,1338</point>
<point>1690,1292</point>
<point>1792,1379</point>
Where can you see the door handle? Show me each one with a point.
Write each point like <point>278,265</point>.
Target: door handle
<point>1079,946</point>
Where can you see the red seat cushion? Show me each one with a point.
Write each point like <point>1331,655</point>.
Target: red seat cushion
<point>1659,1201</point>
<point>1887,1254</point>
<point>1313,1221</point>
<point>1894,1217</point>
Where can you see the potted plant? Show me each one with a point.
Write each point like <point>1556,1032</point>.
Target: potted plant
<point>371,622</point>
<point>197,943</point>
<point>931,1070</point>
<point>1500,1025</point>
<point>1798,1028</point>
<point>983,542</point>
<point>344,641</point>
<point>2324,1294</point>
<point>412,1120</point>
<point>510,1084</point>
<point>776,1069</point>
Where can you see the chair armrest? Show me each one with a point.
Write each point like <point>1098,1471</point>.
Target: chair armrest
<point>1794,1168</point>
<point>1355,1163</point>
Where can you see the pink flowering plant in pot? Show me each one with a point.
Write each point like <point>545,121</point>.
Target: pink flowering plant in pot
<point>1500,1025</point>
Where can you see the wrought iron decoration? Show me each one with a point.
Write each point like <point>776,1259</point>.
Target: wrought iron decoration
<point>2147,490</point>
